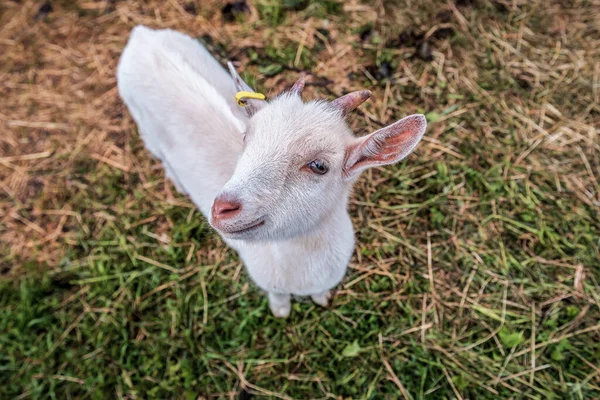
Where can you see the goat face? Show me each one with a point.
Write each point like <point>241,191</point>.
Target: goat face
<point>289,176</point>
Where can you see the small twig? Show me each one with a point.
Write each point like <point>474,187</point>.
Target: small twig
<point>434,295</point>
<point>532,376</point>
<point>38,125</point>
<point>246,384</point>
<point>458,396</point>
<point>558,339</point>
<point>26,157</point>
<point>157,264</point>
<point>30,224</point>
<point>395,379</point>
<point>205,301</point>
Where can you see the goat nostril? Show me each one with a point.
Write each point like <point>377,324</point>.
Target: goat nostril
<point>227,208</point>
<point>223,209</point>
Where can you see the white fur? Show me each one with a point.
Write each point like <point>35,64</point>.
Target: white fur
<point>183,103</point>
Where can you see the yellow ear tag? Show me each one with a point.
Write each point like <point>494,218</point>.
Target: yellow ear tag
<point>240,96</point>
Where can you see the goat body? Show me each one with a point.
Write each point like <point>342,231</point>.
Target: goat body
<point>273,178</point>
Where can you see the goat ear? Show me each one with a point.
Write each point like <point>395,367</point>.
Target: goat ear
<point>253,105</point>
<point>385,146</point>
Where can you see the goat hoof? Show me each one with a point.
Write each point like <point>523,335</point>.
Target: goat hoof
<point>280,304</point>
<point>281,311</point>
<point>322,299</point>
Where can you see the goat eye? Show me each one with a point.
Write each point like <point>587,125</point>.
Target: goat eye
<point>318,167</point>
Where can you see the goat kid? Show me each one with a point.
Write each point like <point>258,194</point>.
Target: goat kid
<point>273,177</point>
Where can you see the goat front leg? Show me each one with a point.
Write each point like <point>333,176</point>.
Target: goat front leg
<point>280,304</point>
<point>322,298</point>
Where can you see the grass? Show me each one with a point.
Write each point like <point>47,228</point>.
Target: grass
<point>477,263</point>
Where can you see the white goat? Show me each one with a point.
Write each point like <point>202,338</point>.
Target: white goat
<point>272,177</point>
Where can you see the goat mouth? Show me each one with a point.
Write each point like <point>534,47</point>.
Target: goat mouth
<point>247,228</point>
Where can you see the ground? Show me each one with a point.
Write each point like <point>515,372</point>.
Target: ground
<point>476,267</point>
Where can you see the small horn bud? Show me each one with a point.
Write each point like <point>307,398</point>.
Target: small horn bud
<point>299,85</point>
<point>350,102</point>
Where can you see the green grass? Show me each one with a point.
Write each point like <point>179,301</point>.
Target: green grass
<point>477,265</point>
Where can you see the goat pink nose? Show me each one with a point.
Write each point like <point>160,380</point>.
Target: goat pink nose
<point>224,209</point>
